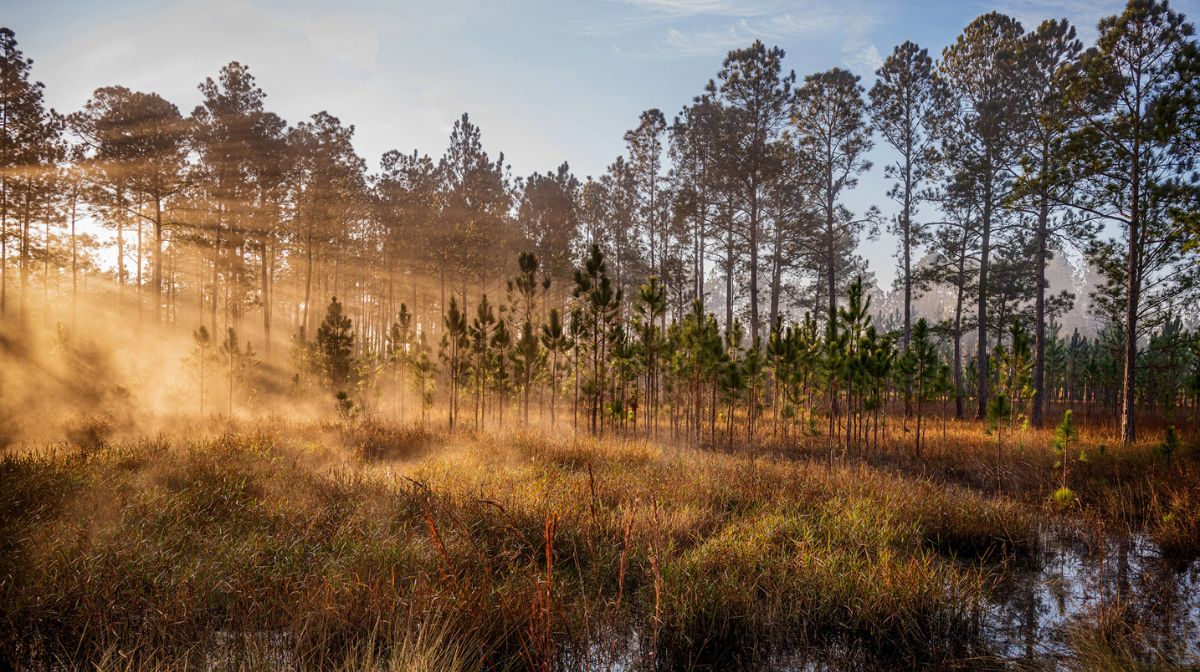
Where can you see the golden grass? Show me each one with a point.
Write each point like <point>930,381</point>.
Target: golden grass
<point>391,547</point>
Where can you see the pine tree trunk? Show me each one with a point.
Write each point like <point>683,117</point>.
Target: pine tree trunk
<point>265,272</point>
<point>959,405</point>
<point>729,279</point>
<point>26,216</point>
<point>158,252</point>
<point>1133,288</point>
<point>981,355</point>
<point>755,224</point>
<point>138,292</point>
<point>3,247</point>
<point>74,259</point>
<point>308,280</point>
<point>1037,412</point>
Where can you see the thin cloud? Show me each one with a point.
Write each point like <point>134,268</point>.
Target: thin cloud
<point>864,60</point>
<point>859,53</point>
<point>715,40</point>
<point>681,8</point>
<point>1084,14</point>
<point>640,15</point>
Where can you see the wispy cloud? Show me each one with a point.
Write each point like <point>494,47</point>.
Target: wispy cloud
<point>687,7</point>
<point>715,40</point>
<point>863,60</point>
<point>629,16</point>
<point>693,28</point>
<point>1085,14</point>
<point>859,52</point>
<point>682,8</point>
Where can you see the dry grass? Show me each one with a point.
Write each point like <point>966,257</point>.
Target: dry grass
<point>1132,486</point>
<point>305,546</point>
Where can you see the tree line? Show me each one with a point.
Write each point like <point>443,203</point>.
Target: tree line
<point>1013,146</point>
<point>601,363</point>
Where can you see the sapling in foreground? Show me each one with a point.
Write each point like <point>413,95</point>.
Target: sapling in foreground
<point>1064,436</point>
<point>999,412</point>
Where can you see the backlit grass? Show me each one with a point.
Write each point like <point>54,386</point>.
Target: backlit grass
<point>316,546</point>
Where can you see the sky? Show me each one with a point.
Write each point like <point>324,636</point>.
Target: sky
<point>547,81</point>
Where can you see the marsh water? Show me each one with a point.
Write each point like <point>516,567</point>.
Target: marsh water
<point>1084,580</point>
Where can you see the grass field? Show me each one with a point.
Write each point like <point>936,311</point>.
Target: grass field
<point>315,546</point>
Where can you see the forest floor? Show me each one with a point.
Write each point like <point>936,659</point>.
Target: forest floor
<point>279,544</point>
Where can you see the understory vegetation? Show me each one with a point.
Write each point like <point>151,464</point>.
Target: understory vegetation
<point>302,545</point>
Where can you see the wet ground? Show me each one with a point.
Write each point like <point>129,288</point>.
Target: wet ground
<point>1087,581</point>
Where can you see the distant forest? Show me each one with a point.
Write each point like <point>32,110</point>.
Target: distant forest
<point>721,229</point>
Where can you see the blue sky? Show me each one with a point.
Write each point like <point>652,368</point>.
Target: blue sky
<point>546,81</point>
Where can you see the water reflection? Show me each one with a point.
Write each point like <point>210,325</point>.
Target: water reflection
<point>1090,582</point>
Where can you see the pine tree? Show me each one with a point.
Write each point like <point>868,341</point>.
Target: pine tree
<point>834,363</point>
<point>139,146</point>
<point>732,378</point>
<point>241,170</point>
<point>780,357</point>
<point>878,357</point>
<point>753,366</point>
<point>556,342</point>
<point>24,134</point>
<point>1064,435</point>
<point>475,232</point>
<point>366,368</point>
<point>1046,59</point>
<point>978,144</point>
<point>855,320</point>
<point>335,345</point>
<point>650,307</point>
<point>199,358</point>
<point>424,375</point>
<point>1014,369</point>
<point>1124,159</point>
<point>645,149</point>
<point>500,376</point>
<point>549,216</point>
<point>239,362</point>
<point>833,137</point>
<point>906,104</point>
<point>525,291</point>
<point>921,365</point>
<point>999,413</point>
<point>480,334</point>
<point>455,341</point>
<point>528,360</point>
<point>599,306</point>
<point>943,386</point>
<point>757,94</point>
<point>398,354</point>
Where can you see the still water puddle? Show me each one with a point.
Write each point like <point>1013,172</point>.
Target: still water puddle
<point>1082,583</point>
